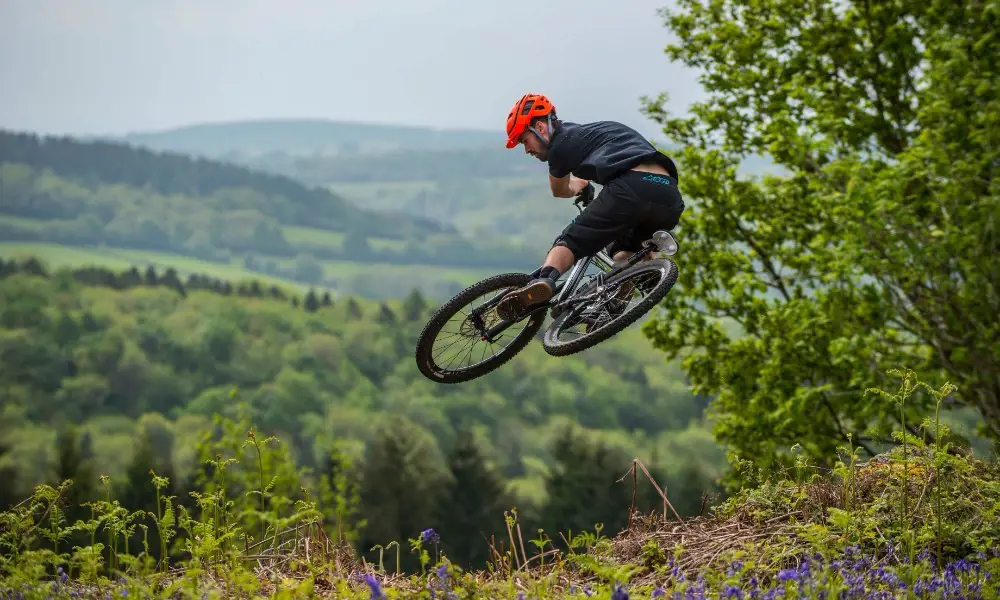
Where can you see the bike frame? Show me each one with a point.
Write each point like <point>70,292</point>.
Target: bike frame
<point>563,292</point>
<point>603,261</point>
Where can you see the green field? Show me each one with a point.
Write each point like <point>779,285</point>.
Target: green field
<point>57,256</point>
<point>382,195</point>
<point>372,280</point>
<point>516,210</point>
<point>32,224</point>
<point>333,239</point>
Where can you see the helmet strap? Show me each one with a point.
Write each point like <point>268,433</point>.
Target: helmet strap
<point>548,118</point>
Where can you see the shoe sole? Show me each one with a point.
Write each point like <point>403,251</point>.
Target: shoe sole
<point>535,293</point>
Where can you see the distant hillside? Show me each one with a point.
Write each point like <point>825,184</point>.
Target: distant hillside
<point>96,162</point>
<point>65,191</point>
<point>307,137</point>
<point>398,165</point>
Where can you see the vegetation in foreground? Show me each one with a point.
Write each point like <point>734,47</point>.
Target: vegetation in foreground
<point>116,373</point>
<point>920,520</point>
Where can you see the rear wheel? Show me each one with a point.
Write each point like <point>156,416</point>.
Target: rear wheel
<point>618,303</point>
<point>451,348</point>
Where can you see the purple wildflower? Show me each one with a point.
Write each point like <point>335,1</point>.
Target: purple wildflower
<point>375,586</point>
<point>735,567</point>
<point>658,592</point>
<point>786,575</point>
<point>429,535</point>
<point>619,593</point>
<point>732,592</point>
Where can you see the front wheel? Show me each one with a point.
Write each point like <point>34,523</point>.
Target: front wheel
<point>445,347</point>
<point>613,306</point>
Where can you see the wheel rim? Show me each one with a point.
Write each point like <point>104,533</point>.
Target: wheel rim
<point>460,338</point>
<point>615,300</point>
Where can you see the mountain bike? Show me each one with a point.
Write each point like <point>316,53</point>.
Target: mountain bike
<point>602,305</point>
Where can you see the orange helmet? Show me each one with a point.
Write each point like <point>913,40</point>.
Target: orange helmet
<point>526,109</point>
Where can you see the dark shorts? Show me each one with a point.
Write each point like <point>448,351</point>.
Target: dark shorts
<point>629,209</point>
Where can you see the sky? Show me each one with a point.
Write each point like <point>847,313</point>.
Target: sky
<point>117,66</point>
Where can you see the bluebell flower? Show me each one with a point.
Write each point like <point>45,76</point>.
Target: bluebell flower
<point>658,592</point>
<point>732,591</point>
<point>619,593</point>
<point>786,575</point>
<point>429,535</point>
<point>375,586</point>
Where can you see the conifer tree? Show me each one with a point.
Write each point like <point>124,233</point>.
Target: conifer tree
<point>583,489</point>
<point>471,506</point>
<point>399,486</point>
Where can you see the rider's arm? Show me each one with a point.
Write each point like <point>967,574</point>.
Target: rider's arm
<point>566,187</point>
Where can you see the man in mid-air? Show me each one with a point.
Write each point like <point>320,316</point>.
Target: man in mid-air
<point>639,192</point>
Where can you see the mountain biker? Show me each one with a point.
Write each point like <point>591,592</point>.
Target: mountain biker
<point>639,193</point>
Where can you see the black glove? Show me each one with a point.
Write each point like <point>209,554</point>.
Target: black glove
<point>586,196</point>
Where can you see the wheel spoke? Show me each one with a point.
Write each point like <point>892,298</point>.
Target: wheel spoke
<point>454,347</point>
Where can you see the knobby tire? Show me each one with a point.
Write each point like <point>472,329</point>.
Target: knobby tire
<point>555,348</point>
<point>425,343</point>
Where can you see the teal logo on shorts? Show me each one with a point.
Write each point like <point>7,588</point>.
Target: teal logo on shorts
<point>657,179</point>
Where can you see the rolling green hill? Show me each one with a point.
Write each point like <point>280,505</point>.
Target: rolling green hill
<point>98,194</point>
<point>466,179</point>
<point>121,353</point>
<point>307,137</point>
<point>219,186</point>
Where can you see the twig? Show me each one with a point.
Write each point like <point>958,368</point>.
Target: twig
<point>513,547</point>
<point>539,555</point>
<point>521,540</point>
<point>657,486</point>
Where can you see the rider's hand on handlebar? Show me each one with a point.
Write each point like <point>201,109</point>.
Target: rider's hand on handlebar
<point>586,195</point>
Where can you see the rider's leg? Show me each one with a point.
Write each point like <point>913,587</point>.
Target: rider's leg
<point>665,212</point>
<point>604,220</point>
<point>560,258</point>
<point>540,289</point>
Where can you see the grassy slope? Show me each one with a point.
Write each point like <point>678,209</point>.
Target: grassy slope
<point>515,209</point>
<point>808,535</point>
<point>56,256</point>
<point>334,239</point>
<point>373,280</point>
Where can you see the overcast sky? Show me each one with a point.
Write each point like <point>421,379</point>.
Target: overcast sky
<point>114,66</point>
